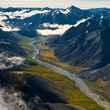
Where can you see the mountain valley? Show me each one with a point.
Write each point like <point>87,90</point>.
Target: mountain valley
<point>45,53</point>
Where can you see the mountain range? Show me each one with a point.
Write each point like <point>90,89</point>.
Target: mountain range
<point>72,38</point>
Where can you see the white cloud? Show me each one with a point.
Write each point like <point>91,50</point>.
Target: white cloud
<point>60,29</point>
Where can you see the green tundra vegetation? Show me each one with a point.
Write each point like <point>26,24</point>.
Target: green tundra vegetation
<point>25,44</point>
<point>99,87</point>
<point>64,86</point>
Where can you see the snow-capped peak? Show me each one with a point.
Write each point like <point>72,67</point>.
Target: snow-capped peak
<point>65,11</point>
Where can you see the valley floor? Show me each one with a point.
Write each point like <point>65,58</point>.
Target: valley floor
<point>79,82</point>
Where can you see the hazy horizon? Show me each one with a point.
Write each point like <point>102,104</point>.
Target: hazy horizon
<point>56,3</point>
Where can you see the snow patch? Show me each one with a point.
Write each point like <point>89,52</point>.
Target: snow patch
<point>11,101</point>
<point>23,13</point>
<point>16,60</point>
<point>7,28</point>
<point>65,11</point>
<point>102,17</point>
<point>7,62</point>
<point>2,17</point>
<point>81,21</point>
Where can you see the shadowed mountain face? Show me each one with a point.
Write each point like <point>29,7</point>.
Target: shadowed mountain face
<point>85,45</point>
<point>10,44</point>
<point>106,44</point>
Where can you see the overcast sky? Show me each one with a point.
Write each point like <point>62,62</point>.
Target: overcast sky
<point>55,3</point>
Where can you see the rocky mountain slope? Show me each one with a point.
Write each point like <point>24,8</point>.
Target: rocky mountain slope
<point>85,45</point>
<point>22,92</point>
<point>11,52</point>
